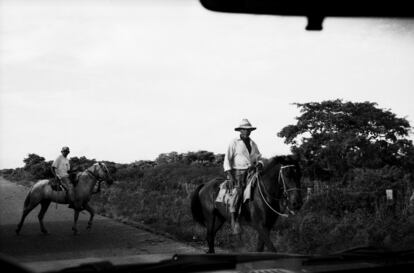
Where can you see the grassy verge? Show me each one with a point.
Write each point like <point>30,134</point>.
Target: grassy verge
<point>159,198</point>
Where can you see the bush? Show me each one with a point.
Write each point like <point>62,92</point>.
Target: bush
<point>338,202</point>
<point>350,212</point>
<point>37,167</point>
<point>18,175</point>
<point>79,164</point>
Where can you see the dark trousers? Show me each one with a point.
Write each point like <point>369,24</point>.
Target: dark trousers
<point>238,188</point>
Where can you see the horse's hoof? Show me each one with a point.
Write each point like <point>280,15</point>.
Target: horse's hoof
<point>17,232</point>
<point>89,227</point>
<point>75,231</point>
<point>45,232</point>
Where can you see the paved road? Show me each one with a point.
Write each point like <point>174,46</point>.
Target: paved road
<point>107,239</point>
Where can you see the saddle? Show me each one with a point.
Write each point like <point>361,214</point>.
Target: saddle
<point>56,184</point>
<point>225,195</point>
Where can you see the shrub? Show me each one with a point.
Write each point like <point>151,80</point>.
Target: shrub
<point>38,167</point>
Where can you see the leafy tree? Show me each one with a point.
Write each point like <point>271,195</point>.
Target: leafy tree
<point>166,158</point>
<point>80,163</point>
<point>144,164</point>
<point>219,159</point>
<point>336,136</point>
<point>204,156</point>
<point>37,166</point>
<point>187,158</point>
<point>32,159</point>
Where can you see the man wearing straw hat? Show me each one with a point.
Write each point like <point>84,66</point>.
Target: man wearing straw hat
<point>241,154</point>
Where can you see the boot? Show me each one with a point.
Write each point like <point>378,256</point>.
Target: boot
<point>69,200</point>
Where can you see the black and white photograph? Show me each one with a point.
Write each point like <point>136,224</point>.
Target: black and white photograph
<point>206,136</point>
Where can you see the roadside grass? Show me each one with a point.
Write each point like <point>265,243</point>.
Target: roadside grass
<point>336,219</point>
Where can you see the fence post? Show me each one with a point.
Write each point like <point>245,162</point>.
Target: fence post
<point>390,204</point>
<point>389,194</point>
<point>308,193</point>
<point>411,208</point>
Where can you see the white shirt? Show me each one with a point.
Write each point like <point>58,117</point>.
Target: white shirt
<point>62,166</point>
<point>237,156</point>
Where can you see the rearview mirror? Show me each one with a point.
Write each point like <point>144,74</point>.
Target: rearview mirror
<point>315,11</point>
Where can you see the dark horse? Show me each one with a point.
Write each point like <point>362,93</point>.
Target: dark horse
<point>277,186</point>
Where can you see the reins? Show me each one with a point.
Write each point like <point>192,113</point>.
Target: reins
<point>285,191</point>
<point>96,178</point>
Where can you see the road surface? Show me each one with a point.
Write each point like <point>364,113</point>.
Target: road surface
<point>108,239</point>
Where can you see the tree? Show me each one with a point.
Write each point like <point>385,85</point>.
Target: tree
<point>336,136</point>
<point>37,166</point>
<point>219,159</point>
<point>80,163</point>
<point>204,156</point>
<point>32,159</point>
<point>166,158</point>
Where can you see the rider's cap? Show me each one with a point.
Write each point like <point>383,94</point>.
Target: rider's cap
<point>65,149</point>
<point>245,124</point>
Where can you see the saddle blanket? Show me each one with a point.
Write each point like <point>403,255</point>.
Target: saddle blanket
<point>226,196</point>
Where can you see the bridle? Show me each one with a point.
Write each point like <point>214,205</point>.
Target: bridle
<point>96,177</point>
<point>281,178</point>
<point>89,172</point>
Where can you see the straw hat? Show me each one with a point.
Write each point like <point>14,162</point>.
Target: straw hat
<point>245,124</point>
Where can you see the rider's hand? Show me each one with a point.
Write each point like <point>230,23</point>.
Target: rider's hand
<point>259,166</point>
<point>230,179</point>
<point>228,175</point>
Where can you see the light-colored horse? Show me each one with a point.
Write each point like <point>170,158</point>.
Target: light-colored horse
<point>42,193</point>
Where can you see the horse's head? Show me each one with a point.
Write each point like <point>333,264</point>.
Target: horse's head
<point>282,176</point>
<point>289,182</point>
<point>101,172</point>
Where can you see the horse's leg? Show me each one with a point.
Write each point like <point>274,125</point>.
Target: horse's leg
<point>91,212</point>
<point>210,233</point>
<point>260,242</point>
<point>75,222</point>
<point>264,238</point>
<point>29,205</point>
<point>45,205</point>
<point>262,224</point>
<point>212,227</point>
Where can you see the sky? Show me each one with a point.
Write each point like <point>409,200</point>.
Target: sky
<point>127,80</point>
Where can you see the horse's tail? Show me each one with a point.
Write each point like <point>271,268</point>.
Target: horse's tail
<point>196,208</point>
<point>27,200</point>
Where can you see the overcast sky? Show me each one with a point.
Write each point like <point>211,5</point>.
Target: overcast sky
<point>128,80</point>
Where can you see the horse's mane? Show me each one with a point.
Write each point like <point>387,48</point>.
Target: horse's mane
<point>271,163</point>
